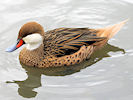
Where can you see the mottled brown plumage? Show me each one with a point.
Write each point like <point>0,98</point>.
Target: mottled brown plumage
<point>64,46</point>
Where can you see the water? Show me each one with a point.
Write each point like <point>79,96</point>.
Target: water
<point>107,76</point>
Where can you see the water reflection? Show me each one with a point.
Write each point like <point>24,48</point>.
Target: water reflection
<point>26,87</point>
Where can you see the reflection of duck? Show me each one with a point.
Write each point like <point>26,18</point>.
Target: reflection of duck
<point>26,87</point>
<point>62,46</point>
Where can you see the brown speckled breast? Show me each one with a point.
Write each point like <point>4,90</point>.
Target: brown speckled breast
<point>37,59</point>
<point>31,58</point>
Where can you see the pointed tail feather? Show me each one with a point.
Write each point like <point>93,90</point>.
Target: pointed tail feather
<point>110,31</point>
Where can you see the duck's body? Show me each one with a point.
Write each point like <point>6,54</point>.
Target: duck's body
<point>62,46</point>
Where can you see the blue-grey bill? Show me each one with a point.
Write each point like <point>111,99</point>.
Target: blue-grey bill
<point>11,48</point>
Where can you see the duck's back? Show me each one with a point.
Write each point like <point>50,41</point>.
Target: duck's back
<point>66,41</point>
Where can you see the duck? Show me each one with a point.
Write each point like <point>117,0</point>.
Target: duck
<point>60,46</point>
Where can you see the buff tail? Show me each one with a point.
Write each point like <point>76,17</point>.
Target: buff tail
<point>110,31</point>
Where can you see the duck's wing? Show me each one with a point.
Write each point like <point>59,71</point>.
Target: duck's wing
<point>65,41</point>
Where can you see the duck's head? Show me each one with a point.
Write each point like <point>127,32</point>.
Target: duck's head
<point>31,34</point>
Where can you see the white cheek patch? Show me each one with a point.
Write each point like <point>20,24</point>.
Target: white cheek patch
<point>33,38</point>
<point>33,41</point>
<point>32,46</point>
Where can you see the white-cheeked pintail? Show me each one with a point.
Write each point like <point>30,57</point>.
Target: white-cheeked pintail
<point>61,46</point>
